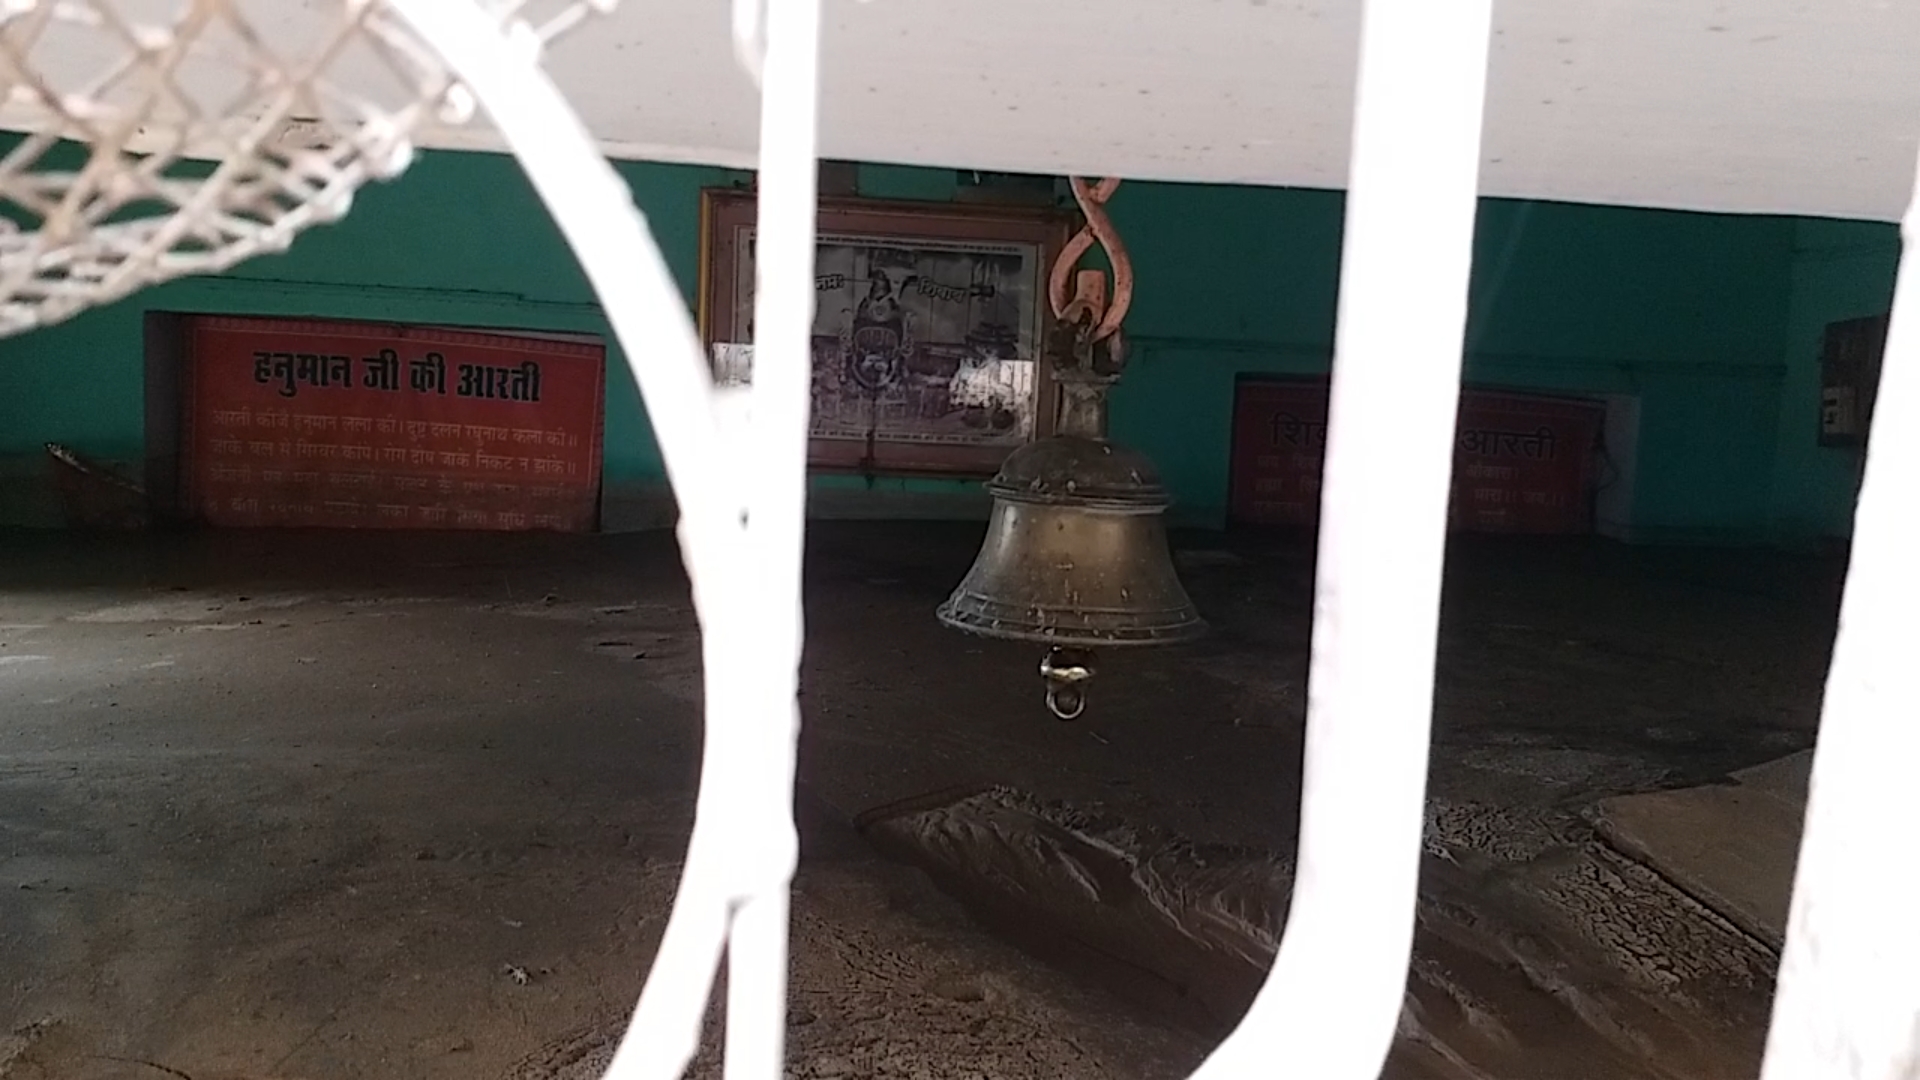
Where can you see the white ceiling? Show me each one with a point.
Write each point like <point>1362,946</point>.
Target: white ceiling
<point>1788,106</point>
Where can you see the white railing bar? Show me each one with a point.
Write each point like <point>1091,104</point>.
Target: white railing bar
<point>1331,1003</point>
<point>736,850</point>
<point>615,249</point>
<point>1848,999</point>
<point>776,459</point>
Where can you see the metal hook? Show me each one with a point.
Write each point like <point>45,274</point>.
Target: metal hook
<point>1089,293</point>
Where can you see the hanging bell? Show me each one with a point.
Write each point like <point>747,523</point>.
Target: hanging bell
<point>1075,558</point>
<point>1076,553</point>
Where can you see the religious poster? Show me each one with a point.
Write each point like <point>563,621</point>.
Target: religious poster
<point>926,335</point>
<point>1522,462</point>
<point>332,424</point>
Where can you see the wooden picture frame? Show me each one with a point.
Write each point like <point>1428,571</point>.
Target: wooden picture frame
<point>928,333</point>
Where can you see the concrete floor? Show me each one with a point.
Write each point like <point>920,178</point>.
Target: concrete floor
<point>302,805</point>
<point>1732,846</point>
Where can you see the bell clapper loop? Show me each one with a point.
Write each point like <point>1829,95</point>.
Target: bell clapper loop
<point>1067,702</point>
<point>1066,672</point>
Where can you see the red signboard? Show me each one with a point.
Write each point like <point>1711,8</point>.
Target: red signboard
<point>1279,435</point>
<point>1521,461</point>
<point>309,423</point>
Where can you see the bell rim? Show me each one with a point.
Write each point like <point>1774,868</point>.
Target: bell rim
<point>1140,506</point>
<point>1191,627</point>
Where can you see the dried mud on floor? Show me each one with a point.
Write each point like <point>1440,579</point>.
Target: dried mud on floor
<point>1562,960</point>
<point>890,982</point>
<point>285,806</point>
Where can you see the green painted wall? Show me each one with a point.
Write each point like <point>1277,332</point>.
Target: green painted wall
<point>1687,311</point>
<point>1711,321</point>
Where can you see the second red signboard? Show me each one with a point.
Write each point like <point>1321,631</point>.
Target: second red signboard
<point>1522,462</point>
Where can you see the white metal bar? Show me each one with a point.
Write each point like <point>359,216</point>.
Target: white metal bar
<point>732,855</point>
<point>780,402</point>
<point>1330,1004</point>
<point>594,209</point>
<point>1848,999</point>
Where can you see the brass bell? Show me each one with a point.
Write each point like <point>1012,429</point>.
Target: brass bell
<point>1076,551</point>
<point>1075,558</point>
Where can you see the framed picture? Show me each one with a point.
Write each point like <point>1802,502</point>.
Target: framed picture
<point>927,329</point>
<point>1849,376</point>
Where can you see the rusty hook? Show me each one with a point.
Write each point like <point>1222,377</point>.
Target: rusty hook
<point>1088,298</point>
